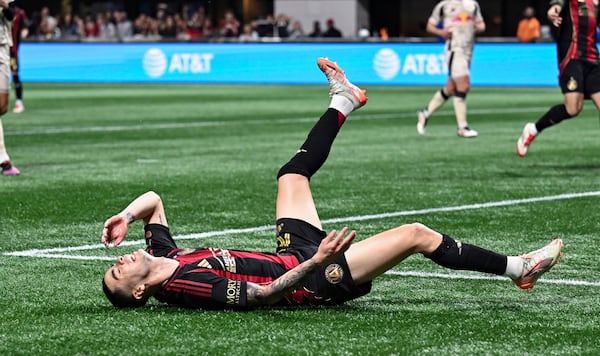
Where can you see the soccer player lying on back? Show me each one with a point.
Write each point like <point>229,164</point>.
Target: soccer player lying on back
<point>310,267</point>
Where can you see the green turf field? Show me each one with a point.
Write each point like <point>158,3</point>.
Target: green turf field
<point>212,153</point>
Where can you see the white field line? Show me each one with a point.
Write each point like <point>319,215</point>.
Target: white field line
<point>179,125</point>
<point>58,252</point>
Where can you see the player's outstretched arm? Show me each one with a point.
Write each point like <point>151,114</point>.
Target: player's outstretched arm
<point>332,246</point>
<point>147,207</point>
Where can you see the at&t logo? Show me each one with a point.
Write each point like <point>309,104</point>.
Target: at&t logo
<point>387,64</point>
<point>156,63</point>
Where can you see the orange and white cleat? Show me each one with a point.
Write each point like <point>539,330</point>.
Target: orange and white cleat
<point>340,85</point>
<point>538,262</point>
<point>529,133</point>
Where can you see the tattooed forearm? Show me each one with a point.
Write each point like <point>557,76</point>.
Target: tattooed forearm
<point>272,293</point>
<point>130,217</point>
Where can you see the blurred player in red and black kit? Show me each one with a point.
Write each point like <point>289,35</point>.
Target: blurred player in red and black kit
<point>19,31</point>
<point>6,17</point>
<point>579,71</point>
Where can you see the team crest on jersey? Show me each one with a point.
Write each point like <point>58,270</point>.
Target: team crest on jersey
<point>334,273</point>
<point>572,84</point>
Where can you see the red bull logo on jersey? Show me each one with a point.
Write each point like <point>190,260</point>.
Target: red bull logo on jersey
<point>462,18</point>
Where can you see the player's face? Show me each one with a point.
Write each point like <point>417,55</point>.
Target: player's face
<point>129,270</point>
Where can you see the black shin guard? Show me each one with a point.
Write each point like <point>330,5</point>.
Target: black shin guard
<point>314,151</point>
<point>456,255</point>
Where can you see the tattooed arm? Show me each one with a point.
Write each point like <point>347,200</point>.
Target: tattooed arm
<point>332,246</point>
<point>147,207</point>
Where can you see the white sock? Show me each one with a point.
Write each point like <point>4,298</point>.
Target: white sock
<point>514,267</point>
<point>3,153</point>
<point>341,104</point>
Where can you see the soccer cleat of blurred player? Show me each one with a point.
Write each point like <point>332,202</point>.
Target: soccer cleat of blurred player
<point>308,265</point>
<point>578,66</point>
<point>460,21</point>
<point>6,16</point>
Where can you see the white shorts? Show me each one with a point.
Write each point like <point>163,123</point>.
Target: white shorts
<point>458,64</point>
<point>4,69</point>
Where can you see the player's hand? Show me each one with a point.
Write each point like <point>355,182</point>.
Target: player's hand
<point>333,245</point>
<point>554,15</point>
<point>4,4</point>
<point>446,32</point>
<point>115,230</point>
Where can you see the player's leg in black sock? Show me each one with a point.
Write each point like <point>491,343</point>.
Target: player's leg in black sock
<point>314,151</point>
<point>555,115</point>
<point>18,87</point>
<point>456,255</point>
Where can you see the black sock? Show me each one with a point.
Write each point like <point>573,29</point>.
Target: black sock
<point>18,87</point>
<point>314,151</point>
<point>555,115</point>
<point>456,255</point>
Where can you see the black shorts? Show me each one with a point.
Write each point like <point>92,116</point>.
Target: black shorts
<point>332,284</point>
<point>580,77</point>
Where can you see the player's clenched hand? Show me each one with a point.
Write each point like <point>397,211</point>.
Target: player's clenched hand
<point>115,230</point>
<point>333,245</point>
<point>554,15</point>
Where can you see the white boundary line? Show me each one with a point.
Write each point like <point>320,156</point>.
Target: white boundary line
<point>179,125</point>
<point>59,252</point>
<point>572,282</point>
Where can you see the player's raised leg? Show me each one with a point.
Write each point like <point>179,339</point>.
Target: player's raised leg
<point>294,198</point>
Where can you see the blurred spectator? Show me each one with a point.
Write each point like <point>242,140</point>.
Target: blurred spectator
<point>106,29</point>
<point>281,26</point>
<point>266,27</point>
<point>123,25</point>
<point>194,26</point>
<point>141,26</point>
<point>168,28</point>
<point>316,31</point>
<point>363,32</point>
<point>91,29</point>
<point>48,24</point>
<point>248,34</point>
<point>68,27</point>
<point>229,25</point>
<point>331,30</point>
<point>529,26</point>
<point>297,31</point>
<point>208,30</point>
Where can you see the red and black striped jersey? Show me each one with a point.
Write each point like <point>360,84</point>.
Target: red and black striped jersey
<point>576,36</point>
<point>213,278</point>
<point>19,23</point>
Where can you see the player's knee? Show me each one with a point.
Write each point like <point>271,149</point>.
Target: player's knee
<point>415,233</point>
<point>573,109</point>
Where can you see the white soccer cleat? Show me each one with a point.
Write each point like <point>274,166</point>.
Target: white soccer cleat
<point>421,121</point>
<point>467,132</point>
<point>340,85</point>
<point>19,107</point>
<point>538,262</point>
<point>529,133</point>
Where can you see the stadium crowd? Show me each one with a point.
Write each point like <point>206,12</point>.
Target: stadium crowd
<point>187,23</point>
